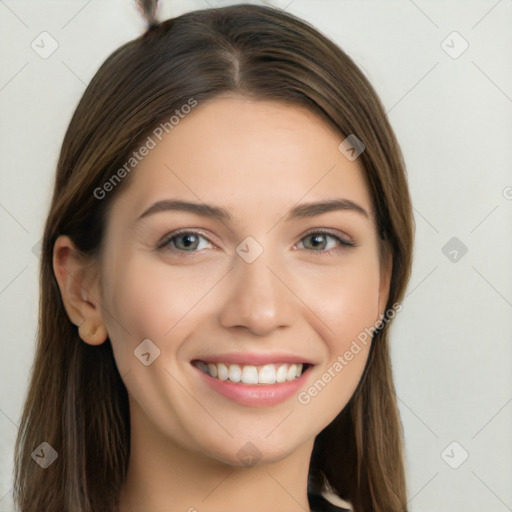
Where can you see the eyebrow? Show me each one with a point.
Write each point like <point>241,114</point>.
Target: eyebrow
<point>221,214</point>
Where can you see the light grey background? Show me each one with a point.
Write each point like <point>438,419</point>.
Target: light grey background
<point>452,342</point>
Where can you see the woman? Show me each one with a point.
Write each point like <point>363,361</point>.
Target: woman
<point>229,238</point>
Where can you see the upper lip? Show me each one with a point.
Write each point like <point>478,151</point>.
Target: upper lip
<point>254,359</point>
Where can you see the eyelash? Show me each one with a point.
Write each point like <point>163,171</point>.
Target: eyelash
<point>162,245</point>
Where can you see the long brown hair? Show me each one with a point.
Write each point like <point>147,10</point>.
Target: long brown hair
<point>76,400</point>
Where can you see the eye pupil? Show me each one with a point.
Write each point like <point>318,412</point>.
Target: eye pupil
<point>191,240</point>
<point>317,240</point>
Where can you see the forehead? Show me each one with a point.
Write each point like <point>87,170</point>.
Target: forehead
<point>239,152</point>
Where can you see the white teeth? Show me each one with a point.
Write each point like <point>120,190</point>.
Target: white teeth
<point>281,373</point>
<point>223,372</point>
<point>235,373</point>
<point>292,370</point>
<point>212,369</point>
<point>267,374</point>
<point>250,374</point>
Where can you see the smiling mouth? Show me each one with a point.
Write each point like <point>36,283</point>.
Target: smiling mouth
<point>249,374</point>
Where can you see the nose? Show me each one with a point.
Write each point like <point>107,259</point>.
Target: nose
<point>258,298</point>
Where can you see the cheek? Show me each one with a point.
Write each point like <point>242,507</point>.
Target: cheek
<point>148,299</point>
<point>346,309</point>
<point>345,299</point>
<point>356,308</point>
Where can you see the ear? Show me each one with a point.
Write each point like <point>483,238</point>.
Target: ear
<point>386,270</point>
<point>79,291</point>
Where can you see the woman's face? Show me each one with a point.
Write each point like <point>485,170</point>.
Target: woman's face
<point>259,283</point>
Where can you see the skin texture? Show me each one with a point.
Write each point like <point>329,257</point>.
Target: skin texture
<point>257,160</point>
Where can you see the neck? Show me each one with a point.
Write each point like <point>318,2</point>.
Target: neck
<point>163,476</point>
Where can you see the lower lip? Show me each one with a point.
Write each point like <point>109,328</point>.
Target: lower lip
<point>251,395</point>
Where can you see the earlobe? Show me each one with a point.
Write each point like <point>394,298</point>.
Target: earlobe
<point>91,333</point>
<point>81,300</point>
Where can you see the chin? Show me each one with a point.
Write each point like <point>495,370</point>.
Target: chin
<point>251,451</point>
